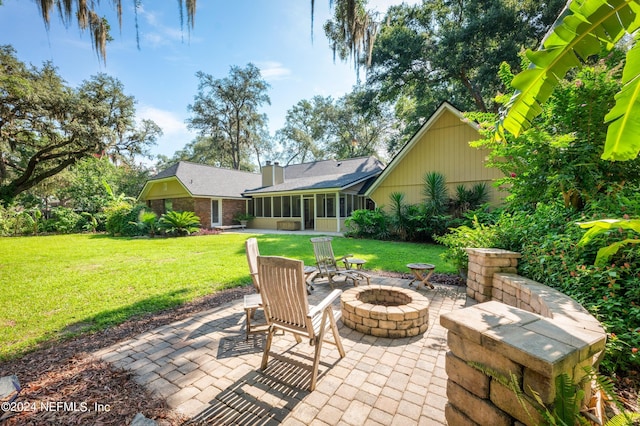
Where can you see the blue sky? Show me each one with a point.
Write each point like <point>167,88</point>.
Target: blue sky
<point>274,35</point>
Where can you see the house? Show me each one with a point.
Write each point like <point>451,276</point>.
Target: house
<point>440,145</point>
<point>213,193</point>
<point>317,196</point>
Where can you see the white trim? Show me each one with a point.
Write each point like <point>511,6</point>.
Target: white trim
<point>149,183</point>
<point>219,201</point>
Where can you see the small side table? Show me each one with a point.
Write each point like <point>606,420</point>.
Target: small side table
<point>353,261</point>
<point>419,269</point>
<point>310,273</point>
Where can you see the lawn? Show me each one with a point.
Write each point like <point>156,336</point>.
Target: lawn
<point>55,285</point>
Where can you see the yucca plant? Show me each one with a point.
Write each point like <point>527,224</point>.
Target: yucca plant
<point>179,223</point>
<point>435,193</point>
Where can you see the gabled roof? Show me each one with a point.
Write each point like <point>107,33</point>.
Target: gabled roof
<point>327,174</point>
<point>201,180</point>
<point>406,149</point>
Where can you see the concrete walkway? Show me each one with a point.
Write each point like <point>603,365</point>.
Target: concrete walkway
<point>204,368</point>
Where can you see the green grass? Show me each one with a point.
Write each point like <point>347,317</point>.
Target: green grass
<point>85,282</point>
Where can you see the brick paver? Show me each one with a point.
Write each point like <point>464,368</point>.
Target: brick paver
<point>203,367</point>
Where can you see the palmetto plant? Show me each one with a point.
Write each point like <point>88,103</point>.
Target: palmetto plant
<point>179,223</point>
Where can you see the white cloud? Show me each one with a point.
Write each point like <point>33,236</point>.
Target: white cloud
<point>175,134</point>
<point>160,34</point>
<point>382,5</point>
<point>272,71</point>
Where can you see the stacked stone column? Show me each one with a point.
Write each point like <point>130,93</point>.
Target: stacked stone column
<point>523,337</point>
<point>483,263</point>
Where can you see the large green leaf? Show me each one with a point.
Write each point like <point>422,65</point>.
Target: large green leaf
<point>623,137</point>
<point>597,227</point>
<point>578,33</point>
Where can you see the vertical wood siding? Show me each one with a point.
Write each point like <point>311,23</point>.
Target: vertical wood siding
<point>443,148</point>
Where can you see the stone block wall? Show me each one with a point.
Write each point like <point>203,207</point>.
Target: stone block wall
<point>523,331</point>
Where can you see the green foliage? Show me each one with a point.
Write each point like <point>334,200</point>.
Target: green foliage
<point>18,221</point>
<point>63,220</point>
<point>462,237</point>
<point>469,199</point>
<point>121,219</point>
<point>84,183</point>
<point>599,227</point>
<point>398,219</point>
<point>561,153</point>
<point>148,222</point>
<point>48,126</point>
<point>580,32</point>
<point>243,217</point>
<point>368,224</point>
<point>179,223</point>
<point>435,193</point>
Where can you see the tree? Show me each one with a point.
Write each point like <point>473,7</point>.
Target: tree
<point>358,129</point>
<point>46,126</point>
<point>204,150</point>
<point>582,30</point>
<point>560,154</point>
<point>85,186</point>
<point>226,111</point>
<point>442,50</point>
<point>306,130</point>
<point>321,128</point>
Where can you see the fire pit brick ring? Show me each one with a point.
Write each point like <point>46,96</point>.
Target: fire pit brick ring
<point>385,311</point>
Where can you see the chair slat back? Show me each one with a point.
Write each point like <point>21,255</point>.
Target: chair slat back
<point>325,259</point>
<point>284,293</point>
<point>253,252</point>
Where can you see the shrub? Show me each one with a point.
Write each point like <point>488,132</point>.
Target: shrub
<point>435,193</point>
<point>179,223</point>
<point>63,220</point>
<point>478,235</point>
<point>17,221</point>
<point>368,224</point>
<point>121,219</point>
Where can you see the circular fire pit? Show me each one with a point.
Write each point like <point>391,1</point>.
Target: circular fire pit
<point>385,311</point>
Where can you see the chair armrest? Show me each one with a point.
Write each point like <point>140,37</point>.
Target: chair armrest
<point>326,302</point>
<point>341,259</point>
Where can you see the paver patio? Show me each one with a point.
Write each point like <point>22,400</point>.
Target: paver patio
<point>204,368</point>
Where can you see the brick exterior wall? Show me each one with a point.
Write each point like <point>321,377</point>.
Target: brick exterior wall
<point>156,206</point>
<point>230,208</point>
<point>183,204</point>
<point>202,209</point>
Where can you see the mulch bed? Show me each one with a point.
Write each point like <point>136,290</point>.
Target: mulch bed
<point>65,372</point>
<point>96,393</point>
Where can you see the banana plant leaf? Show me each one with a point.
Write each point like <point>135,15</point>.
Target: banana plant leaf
<point>580,31</point>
